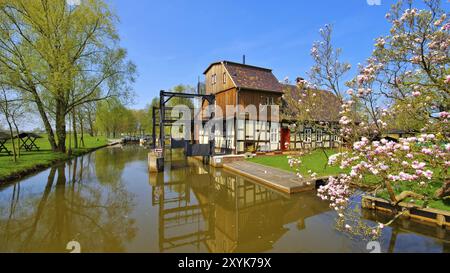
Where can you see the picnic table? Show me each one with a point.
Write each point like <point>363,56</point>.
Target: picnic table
<point>28,141</point>
<point>3,139</point>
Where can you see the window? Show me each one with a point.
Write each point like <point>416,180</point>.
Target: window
<point>224,78</point>
<point>267,101</point>
<point>319,135</point>
<point>274,135</point>
<point>308,135</point>
<point>336,135</point>
<point>213,79</point>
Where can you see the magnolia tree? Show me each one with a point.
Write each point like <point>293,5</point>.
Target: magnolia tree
<point>306,103</point>
<point>328,70</point>
<point>408,72</point>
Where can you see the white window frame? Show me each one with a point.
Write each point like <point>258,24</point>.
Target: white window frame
<point>308,135</point>
<point>319,135</point>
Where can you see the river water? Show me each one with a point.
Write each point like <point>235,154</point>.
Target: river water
<point>108,202</point>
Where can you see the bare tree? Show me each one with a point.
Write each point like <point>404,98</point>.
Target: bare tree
<point>328,71</point>
<point>7,103</point>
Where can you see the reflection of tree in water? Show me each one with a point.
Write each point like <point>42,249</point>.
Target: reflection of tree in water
<point>110,163</point>
<point>67,209</point>
<point>403,226</point>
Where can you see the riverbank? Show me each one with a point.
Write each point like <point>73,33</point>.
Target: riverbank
<point>32,162</point>
<point>317,162</point>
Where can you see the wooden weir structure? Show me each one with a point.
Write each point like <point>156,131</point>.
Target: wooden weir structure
<point>162,117</point>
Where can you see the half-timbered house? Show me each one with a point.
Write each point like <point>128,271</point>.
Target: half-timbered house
<point>241,87</point>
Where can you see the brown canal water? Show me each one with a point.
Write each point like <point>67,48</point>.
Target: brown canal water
<point>108,202</point>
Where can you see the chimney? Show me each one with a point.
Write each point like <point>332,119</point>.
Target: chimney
<point>299,80</point>
<point>243,59</point>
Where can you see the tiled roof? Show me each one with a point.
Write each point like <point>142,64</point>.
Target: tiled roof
<point>327,107</point>
<point>251,77</point>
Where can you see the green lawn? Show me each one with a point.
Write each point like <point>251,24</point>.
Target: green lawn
<point>45,157</point>
<point>316,162</point>
<point>429,190</point>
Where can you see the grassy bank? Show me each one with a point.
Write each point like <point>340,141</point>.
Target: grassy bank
<point>429,190</point>
<point>317,162</point>
<point>30,162</point>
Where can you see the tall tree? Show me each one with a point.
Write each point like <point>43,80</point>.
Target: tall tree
<point>328,71</point>
<point>61,57</point>
<point>112,118</point>
<point>7,105</point>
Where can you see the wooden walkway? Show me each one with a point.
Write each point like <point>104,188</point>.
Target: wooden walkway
<point>284,181</point>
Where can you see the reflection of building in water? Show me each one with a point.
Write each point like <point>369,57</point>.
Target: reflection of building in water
<point>225,212</point>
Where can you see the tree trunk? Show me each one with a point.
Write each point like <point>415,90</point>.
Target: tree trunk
<point>18,140</point>
<point>74,128</point>
<point>47,125</point>
<point>5,110</point>
<point>11,133</point>
<point>17,133</point>
<point>81,131</point>
<point>91,124</point>
<point>444,191</point>
<point>60,125</point>
<point>391,191</point>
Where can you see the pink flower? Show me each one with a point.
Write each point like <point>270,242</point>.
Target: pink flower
<point>428,174</point>
<point>418,166</point>
<point>444,115</point>
<point>447,79</point>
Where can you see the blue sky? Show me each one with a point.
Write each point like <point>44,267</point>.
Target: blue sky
<point>173,41</point>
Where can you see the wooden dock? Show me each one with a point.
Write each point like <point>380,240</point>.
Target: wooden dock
<point>284,181</point>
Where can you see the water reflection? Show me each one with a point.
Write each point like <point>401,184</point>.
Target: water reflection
<point>229,214</point>
<point>66,206</point>
<point>109,203</point>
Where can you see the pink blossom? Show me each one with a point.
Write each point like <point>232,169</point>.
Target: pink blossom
<point>418,166</point>
<point>428,174</point>
<point>447,79</point>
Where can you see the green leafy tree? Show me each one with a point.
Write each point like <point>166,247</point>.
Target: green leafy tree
<point>62,57</point>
